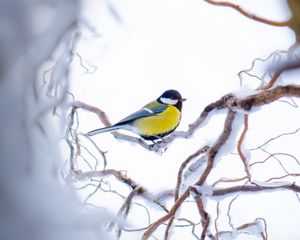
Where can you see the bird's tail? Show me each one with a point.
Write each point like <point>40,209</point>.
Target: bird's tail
<point>103,130</point>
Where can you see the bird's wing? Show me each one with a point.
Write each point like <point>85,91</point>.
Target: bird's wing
<point>148,110</point>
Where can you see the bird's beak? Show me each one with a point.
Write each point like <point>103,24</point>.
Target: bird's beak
<point>184,99</point>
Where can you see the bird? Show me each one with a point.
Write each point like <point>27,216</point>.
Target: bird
<point>154,121</point>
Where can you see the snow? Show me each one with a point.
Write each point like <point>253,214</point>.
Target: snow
<point>34,203</point>
<point>244,91</point>
<point>255,228</point>
<point>194,170</point>
<point>204,189</point>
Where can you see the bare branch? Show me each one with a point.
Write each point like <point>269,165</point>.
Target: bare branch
<point>247,14</point>
<point>228,212</point>
<point>216,220</point>
<point>225,180</point>
<point>265,97</point>
<point>83,65</point>
<point>254,188</point>
<point>205,218</point>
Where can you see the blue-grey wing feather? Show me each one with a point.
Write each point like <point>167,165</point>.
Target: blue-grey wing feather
<point>150,109</point>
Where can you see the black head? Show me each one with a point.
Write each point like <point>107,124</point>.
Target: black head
<point>171,97</point>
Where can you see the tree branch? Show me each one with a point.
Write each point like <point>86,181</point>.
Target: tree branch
<point>254,188</point>
<point>265,97</point>
<point>249,15</point>
<point>212,152</point>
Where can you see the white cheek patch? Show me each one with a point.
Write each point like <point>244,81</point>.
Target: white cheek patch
<point>148,110</point>
<point>169,101</point>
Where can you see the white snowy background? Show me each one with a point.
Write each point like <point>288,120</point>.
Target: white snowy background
<point>198,49</point>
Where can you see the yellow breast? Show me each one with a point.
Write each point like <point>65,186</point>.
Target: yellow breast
<point>159,124</point>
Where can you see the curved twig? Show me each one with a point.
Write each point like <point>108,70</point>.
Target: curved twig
<point>249,15</point>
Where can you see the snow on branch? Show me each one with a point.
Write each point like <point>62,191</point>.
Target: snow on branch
<point>227,101</point>
<point>196,189</point>
<point>195,181</point>
<point>264,97</point>
<point>277,186</point>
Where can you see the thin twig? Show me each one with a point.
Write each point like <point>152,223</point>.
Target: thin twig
<point>275,154</point>
<point>274,138</point>
<point>239,147</point>
<point>205,218</point>
<point>222,180</point>
<point>228,212</point>
<point>124,210</point>
<point>254,188</point>
<point>216,220</point>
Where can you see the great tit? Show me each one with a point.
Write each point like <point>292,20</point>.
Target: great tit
<point>153,121</point>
